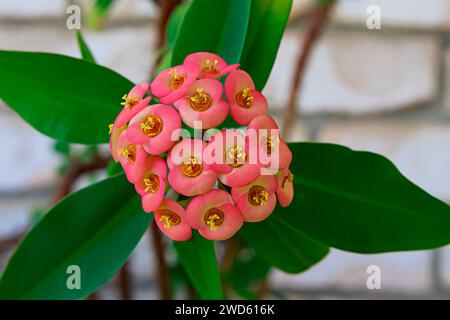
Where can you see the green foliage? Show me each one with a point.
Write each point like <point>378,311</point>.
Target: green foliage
<point>98,13</point>
<point>174,23</point>
<point>215,26</point>
<point>198,258</point>
<point>283,245</point>
<point>268,19</point>
<point>359,201</point>
<point>247,274</point>
<point>95,228</point>
<point>113,168</point>
<point>86,53</point>
<point>65,98</point>
<point>62,148</point>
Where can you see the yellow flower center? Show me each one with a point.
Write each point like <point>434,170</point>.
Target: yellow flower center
<point>214,218</point>
<point>236,156</point>
<point>258,196</point>
<point>200,101</point>
<point>129,102</point>
<point>288,178</point>
<point>151,183</point>
<point>209,67</point>
<point>129,152</point>
<point>152,126</point>
<point>176,80</point>
<point>244,99</point>
<point>192,167</point>
<point>169,218</point>
<point>270,142</point>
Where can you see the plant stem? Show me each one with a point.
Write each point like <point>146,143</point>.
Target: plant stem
<point>76,170</point>
<point>163,271</point>
<point>317,23</point>
<point>124,282</point>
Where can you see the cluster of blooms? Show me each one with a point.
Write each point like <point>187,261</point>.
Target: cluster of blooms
<point>225,181</point>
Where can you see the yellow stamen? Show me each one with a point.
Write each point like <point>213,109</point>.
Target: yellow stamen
<point>244,99</point>
<point>129,152</point>
<point>169,218</point>
<point>286,179</point>
<point>152,126</point>
<point>152,183</point>
<point>129,102</point>
<point>258,196</point>
<point>210,68</point>
<point>200,101</point>
<point>270,141</point>
<point>236,156</point>
<point>192,167</point>
<point>110,127</point>
<point>213,218</point>
<point>176,80</point>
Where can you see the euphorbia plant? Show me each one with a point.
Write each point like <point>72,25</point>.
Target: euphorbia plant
<point>231,177</point>
<point>351,200</point>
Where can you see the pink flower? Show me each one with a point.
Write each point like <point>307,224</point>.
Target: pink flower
<point>257,200</point>
<point>114,137</point>
<point>133,103</point>
<point>153,127</point>
<point>245,102</point>
<point>203,102</point>
<point>273,152</point>
<point>189,175</point>
<point>129,155</point>
<point>214,215</point>
<point>171,220</point>
<point>151,175</point>
<point>228,153</point>
<point>285,188</point>
<point>210,65</point>
<point>173,83</point>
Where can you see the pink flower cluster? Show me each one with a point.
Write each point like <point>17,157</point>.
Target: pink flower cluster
<point>225,181</point>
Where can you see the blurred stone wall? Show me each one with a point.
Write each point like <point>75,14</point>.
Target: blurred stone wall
<point>381,90</point>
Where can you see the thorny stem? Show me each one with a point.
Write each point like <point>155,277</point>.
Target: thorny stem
<point>317,23</point>
<point>76,170</point>
<point>124,282</point>
<point>232,249</point>
<point>163,271</point>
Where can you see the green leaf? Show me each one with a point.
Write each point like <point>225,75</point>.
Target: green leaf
<point>213,26</point>
<point>174,24</point>
<point>86,53</point>
<point>268,19</point>
<point>198,258</point>
<point>247,273</point>
<point>98,13</point>
<point>95,228</point>
<point>359,201</point>
<point>283,245</point>
<point>113,168</point>
<point>62,147</point>
<point>65,98</point>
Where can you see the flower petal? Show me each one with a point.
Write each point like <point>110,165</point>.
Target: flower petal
<point>179,232</point>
